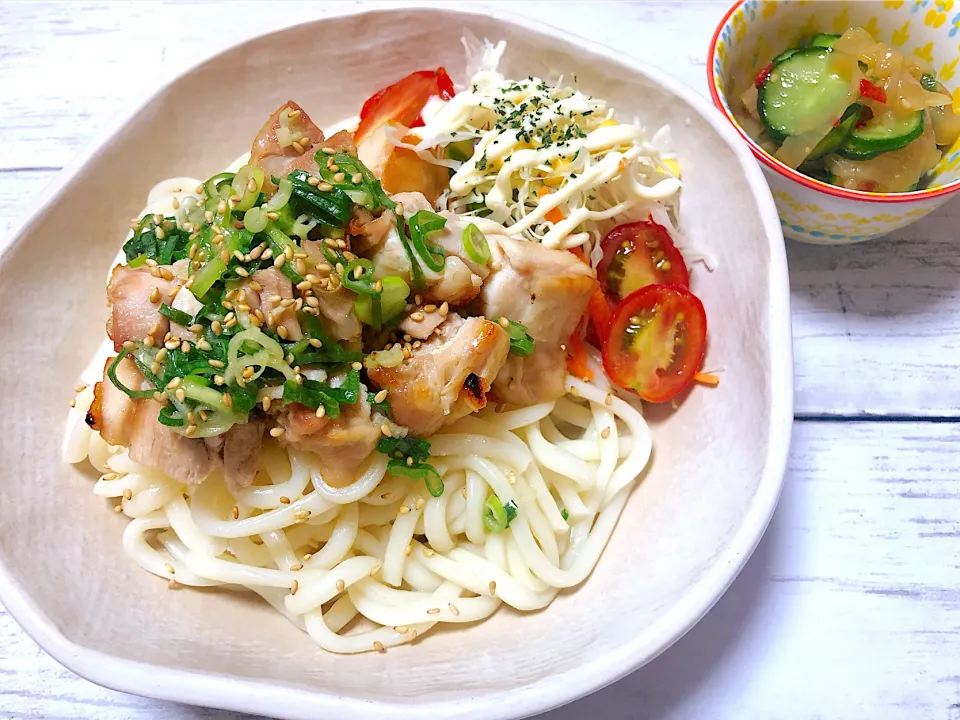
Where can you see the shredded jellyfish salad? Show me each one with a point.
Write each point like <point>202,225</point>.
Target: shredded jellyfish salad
<point>550,163</point>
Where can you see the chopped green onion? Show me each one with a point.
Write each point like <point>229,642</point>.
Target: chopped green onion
<point>170,417</point>
<point>198,390</point>
<point>112,375</point>
<point>564,514</point>
<point>241,186</point>
<point>177,316</point>
<point>278,240</point>
<point>461,150</point>
<point>495,517</point>
<point>331,207</point>
<point>270,355</point>
<point>521,344</point>
<point>422,224</point>
<point>313,394</point>
<point>214,186</point>
<point>364,284</point>
<point>254,220</point>
<point>138,261</point>
<point>400,448</point>
<point>416,272</point>
<point>511,507</point>
<point>393,299</point>
<point>303,225</point>
<point>382,407</point>
<point>214,268</point>
<point>350,166</point>
<point>475,244</point>
<point>282,196</point>
<point>421,471</point>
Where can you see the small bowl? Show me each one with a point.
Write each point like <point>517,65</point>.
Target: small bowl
<point>686,531</point>
<point>753,32</point>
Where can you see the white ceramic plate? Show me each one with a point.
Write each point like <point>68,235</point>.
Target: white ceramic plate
<point>687,531</point>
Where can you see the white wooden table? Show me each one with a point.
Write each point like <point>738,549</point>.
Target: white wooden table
<point>850,607</point>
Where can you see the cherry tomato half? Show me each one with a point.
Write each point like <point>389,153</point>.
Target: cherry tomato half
<point>656,342</point>
<point>403,101</point>
<point>636,255</point>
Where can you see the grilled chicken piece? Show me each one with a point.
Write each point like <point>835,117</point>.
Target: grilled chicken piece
<point>187,460</point>
<point>460,280</point>
<point>135,295</point>
<point>341,444</point>
<point>112,412</point>
<point>399,169</point>
<point>241,450</point>
<point>447,377</point>
<point>279,159</point>
<point>547,290</point>
<point>275,285</point>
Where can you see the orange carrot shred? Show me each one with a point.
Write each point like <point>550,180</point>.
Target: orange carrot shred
<point>707,379</point>
<point>577,357</point>
<point>553,215</point>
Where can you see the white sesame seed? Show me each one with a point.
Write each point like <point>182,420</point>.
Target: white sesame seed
<point>276,432</point>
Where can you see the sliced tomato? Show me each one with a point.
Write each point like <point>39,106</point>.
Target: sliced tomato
<point>636,255</point>
<point>656,343</point>
<point>403,101</point>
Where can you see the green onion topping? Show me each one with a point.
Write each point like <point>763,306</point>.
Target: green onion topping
<point>475,244</point>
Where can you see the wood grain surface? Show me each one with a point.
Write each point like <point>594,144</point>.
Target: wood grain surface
<point>850,608</point>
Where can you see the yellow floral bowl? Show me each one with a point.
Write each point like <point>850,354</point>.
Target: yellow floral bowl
<point>753,32</point>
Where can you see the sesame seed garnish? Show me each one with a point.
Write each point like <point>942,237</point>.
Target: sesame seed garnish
<point>222,207</point>
<point>402,629</point>
<point>399,211</point>
<point>280,260</point>
<point>429,552</point>
<point>127,494</point>
<point>408,550</point>
<point>379,646</point>
<point>504,322</point>
<point>339,177</point>
<point>444,309</point>
<point>191,429</point>
<point>160,233</point>
<point>266,403</point>
<point>271,216</point>
<point>267,254</point>
<point>404,509</point>
<point>454,609</point>
<point>148,341</point>
<point>276,432</point>
<point>325,187</point>
<point>236,513</point>
<point>356,179</point>
<point>420,501</point>
<point>341,586</point>
<point>608,400</point>
<point>417,316</point>
<point>118,508</point>
<point>307,556</point>
<point>294,586</point>
<point>296,567</point>
<point>380,396</point>
<point>385,429</point>
<point>155,295</point>
<point>297,146</point>
<point>227,400</point>
<point>375,570</point>
<point>321,411</point>
<point>328,150</point>
<point>216,327</point>
<point>429,308</point>
<point>185,346</point>
<point>169,568</point>
<point>605,433</point>
<point>433,611</point>
<point>174,383</point>
<point>313,180</point>
<point>282,332</point>
<point>493,587</point>
<point>411,635</point>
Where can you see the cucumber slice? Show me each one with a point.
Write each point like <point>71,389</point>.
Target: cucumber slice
<point>801,93</point>
<point>824,40</point>
<point>785,54</point>
<point>882,135</point>
<point>836,137</point>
